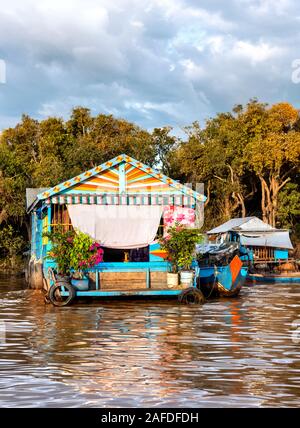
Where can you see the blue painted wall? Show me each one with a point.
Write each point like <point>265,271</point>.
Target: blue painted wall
<point>152,257</point>
<point>281,254</point>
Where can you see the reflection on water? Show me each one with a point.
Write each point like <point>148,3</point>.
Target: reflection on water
<point>234,352</point>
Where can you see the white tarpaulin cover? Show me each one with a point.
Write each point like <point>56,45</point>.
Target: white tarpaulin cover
<point>269,239</point>
<point>117,226</point>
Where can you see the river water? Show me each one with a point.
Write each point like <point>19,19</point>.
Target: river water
<point>238,352</point>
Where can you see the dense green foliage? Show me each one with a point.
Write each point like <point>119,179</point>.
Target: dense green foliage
<point>180,246</point>
<point>250,162</point>
<point>62,246</point>
<point>73,251</point>
<point>248,159</point>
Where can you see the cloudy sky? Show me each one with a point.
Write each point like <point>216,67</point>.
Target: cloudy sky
<point>154,62</point>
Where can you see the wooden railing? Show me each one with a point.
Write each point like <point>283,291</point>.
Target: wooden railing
<point>263,253</point>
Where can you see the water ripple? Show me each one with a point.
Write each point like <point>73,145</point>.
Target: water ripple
<point>236,352</point>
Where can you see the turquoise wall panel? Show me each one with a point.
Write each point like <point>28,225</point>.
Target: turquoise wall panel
<point>281,254</point>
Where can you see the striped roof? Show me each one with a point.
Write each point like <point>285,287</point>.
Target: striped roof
<point>104,179</point>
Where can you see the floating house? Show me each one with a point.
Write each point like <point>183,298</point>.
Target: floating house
<point>124,205</point>
<point>266,250</point>
<point>261,241</point>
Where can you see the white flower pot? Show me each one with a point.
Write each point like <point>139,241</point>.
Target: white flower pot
<point>172,280</point>
<point>187,278</point>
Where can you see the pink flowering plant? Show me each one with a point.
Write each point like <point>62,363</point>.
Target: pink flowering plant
<point>180,244</point>
<point>74,252</point>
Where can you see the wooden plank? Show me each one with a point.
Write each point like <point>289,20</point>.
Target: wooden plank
<point>132,280</point>
<point>123,280</point>
<point>158,280</point>
<point>92,277</point>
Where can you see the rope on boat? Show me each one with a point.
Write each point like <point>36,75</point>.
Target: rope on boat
<point>215,281</point>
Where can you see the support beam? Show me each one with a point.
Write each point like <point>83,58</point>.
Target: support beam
<point>122,178</point>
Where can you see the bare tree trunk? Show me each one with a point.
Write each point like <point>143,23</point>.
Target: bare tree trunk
<point>208,194</point>
<point>227,208</point>
<point>242,203</point>
<point>263,201</point>
<point>266,203</point>
<point>269,200</point>
<point>237,196</point>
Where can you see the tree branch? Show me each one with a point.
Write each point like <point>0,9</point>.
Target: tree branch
<point>284,183</point>
<point>288,173</point>
<point>219,178</point>
<point>231,174</point>
<point>208,193</point>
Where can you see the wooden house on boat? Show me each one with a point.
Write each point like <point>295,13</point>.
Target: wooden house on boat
<point>124,205</point>
<point>269,250</point>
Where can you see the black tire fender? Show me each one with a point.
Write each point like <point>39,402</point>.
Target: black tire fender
<point>191,296</point>
<point>68,300</point>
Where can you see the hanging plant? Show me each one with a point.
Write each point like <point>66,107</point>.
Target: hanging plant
<point>74,252</point>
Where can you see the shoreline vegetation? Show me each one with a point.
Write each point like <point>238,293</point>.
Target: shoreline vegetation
<point>248,160</point>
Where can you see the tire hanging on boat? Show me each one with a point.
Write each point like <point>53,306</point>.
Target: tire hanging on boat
<point>55,296</point>
<point>191,296</point>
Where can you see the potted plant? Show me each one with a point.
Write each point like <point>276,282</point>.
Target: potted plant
<point>74,253</point>
<point>61,245</point>
<point>180,243</point>
<point>84,254</point>
<point>167,244</point>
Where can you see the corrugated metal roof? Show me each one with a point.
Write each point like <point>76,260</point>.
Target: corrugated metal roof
<point>254,232</point>
<point>253,224</point>
<point>31,194</point>
<point>230,225</point>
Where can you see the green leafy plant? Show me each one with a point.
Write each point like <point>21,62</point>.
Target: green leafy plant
<point>62,243</point>
<point>180,244</point>
<point>11,245</point>
<point>73,252</point>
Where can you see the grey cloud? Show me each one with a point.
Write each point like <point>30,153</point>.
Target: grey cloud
<point>154,62</point>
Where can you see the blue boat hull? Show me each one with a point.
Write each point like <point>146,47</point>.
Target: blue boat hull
<point>222,280</point>
<point>273,279</point>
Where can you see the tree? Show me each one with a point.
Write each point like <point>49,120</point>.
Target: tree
<point>44,153</point>
<point>274,154</point>
<point>245,156</point>
<point>289,205</point>
<point>214,155</point>
<point>165,145</point>
<point>249,160</point>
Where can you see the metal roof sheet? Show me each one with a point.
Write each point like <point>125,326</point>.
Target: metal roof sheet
<point>31,194</point>
<point>232,224</point>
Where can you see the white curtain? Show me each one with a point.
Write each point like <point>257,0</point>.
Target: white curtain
<point>117,226</point>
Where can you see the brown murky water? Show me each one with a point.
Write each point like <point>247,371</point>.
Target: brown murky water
<point>235,352</point>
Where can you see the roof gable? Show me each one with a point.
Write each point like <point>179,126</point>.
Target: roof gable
<point>255,224</point>
<point>242,224</point>
<point>104,177</point>
<point>31,195</point>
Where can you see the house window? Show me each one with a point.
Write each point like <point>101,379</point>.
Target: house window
<point>60,218</point>
<point>263,253</point>
<point>123,255</point>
